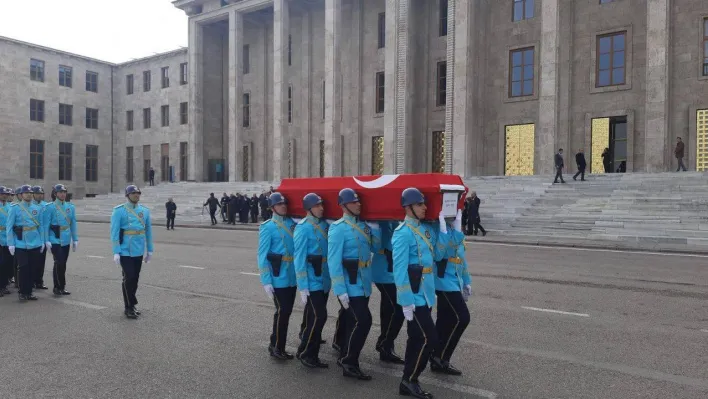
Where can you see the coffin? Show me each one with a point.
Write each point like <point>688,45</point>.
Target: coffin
<point>380,195</point>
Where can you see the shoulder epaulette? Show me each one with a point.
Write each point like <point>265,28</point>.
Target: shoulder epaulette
<point>338,221</point>
<point>13,204</point>
<point>266,222</point>
<point>118,206</point>
<point>401,225</point>
<point>302,221</point>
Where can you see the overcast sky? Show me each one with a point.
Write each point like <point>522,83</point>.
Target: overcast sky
<point>109,30</point>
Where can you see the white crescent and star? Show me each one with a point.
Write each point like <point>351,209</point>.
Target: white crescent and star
<point>376,183</point>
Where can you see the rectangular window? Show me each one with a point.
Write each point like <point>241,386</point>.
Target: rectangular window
<point>380,77</point>
<point>290,104</point>
<point>92,81</point>
<point>165,115</point>
<point>606,1</point>
<point>128,164</point>
<point>183,158</point>
<point>521,72</point>
<point>246,59</point>
<point>37,70</point>
<point>705,47</point>
<point>65,161</point>
<point>36,159</point>
<point>183,73</point>
<point>441,86</point>
<point>147,77</point>
<point>523,9</point>
<point>65,73</point>
<point>91,163</point>
<point>129,121</point>
<point>610,69</point>
<point>129,84</point>
<point>324,88</point>
<point>322,158</point>
<point>443,18</point>
<point>36,110</point>
<point>183,114</point>
<point>91,118</point>
<point>165,77</point>
<point>146,163</point>
<point>66,114</point>
<point>146,118</point>
<point>165,162</point>
<point>382,30</point>
<point>246,109</point>
<point>290,50</point>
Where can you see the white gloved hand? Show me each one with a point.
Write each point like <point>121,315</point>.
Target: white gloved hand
<point>48,245</point>
<point>76,246</point>
<point>344,299</point>
<point>148,257</point>
<point>443,225</point>
<point>373,225</point>
<point>467,292</point>
<point>303,296</point>
<point>408,312</point>
<point>12,250</point>
<point>458,221</point>
<point>116,259</point>
<point>269,290</point>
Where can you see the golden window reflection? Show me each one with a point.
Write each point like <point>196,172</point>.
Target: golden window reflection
<point>600,139</point>
<point>702,140</point>
<point>377,155</point>
<point>438,152</point>
<point>519,150</point>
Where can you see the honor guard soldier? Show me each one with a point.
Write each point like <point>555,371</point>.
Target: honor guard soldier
<point>25,239</point>
<point>453,288</point>
<point>275,265</point>
<point>351,242</point>
<point>414,254</point>
<point>6,260</point>
<point>63,234</point>
<point>38,272</point>
<point>312,277</point>
<point>131,236</point>
<point>390,311</point>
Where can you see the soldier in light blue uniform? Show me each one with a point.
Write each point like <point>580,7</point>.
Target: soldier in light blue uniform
<point>25,239</point>
<point>414,253</point>
<point>275,265</point>
<point>38,271</point>
<point>63,234</point>
<point>312,277</point>
<point>6,260</point>
<point>131,236</point>
<point>350,243</point>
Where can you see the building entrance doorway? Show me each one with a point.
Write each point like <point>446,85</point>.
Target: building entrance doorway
<point>609,145</point>
<point>216,170</point>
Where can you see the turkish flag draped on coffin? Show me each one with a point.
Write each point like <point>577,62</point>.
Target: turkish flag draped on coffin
<point>380,196</point>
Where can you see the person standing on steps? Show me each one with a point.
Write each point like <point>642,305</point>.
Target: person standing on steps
<point>63,234</point>
<point>151,174</point>
<point>25,239</point>
<point>275,265</point>
<point>580,161</point>
<point>171,209</point>
<point>558,161</point>
<point>473,219</point>
<point>678,153</point>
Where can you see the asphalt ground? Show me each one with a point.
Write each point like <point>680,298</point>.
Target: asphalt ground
<point>546,323</point>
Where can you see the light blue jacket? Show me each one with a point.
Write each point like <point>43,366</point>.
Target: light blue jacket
<point>276,236</point>
<point>379,263</point>
<point>29,216</point>
<point>62,214</point>
<point>311,239</point>
<point>4,214</point>
<point>135,220</point>
<point>456,273</point>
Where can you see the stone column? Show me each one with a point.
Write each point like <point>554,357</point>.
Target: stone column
<point>304,150</point>
<point>235,106</point>
<point>281,28</point>
<point>333,87</point>
<point>656,107</point>
<point>547,127</point>
<point>351,89</point>
<point>196,146</point>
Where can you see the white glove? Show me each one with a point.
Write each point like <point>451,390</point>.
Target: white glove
<point>458,221</point>
<point>408,312</point>
<point>303,296</point>
<point>443,225</point>
<point>76,246</point>
<point>41,249</point>
<point>48,245</point>
<point>12,250</point>
<point>344,299</point>
<point>148,257</point>
<point>269,290</point>
<point>373,225</point>
<point>116,259</point>
<point>467,292</point>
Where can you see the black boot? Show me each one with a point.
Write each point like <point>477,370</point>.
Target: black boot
<point>65,292</point>
<point>441,366</point>
<point>320,364</point>
<point>56,291</point>
<point>278,354</point>
<point>413,389</point>
<point>389,356</point>
<point>354,372</point>
<point>130,313</point>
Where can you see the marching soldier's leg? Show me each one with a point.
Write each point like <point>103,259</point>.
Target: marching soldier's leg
<point>421,330</point>
<point>129,284</point>
<point>64,258</point>
<point>55,270</point>
<point>4,275</point>
<point>340,331</point>
<point>309,350</point>
<point>38,270</point>
<point>25,259</point>
<point>391,323</point>
<point>284,299</point>
<point>15,270</point>
<point>453,319</point>
<point>359,324</point>
<point>304,322</point>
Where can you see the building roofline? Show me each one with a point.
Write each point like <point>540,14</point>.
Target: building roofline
<point>150,57</point>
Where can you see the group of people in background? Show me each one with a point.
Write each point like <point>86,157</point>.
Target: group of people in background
<point>239,206</point>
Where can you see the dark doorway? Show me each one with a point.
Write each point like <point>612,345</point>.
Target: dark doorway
<point>216,170</point>
<point>618,144</point>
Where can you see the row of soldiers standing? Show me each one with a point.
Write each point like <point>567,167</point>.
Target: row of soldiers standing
<point>29,228</point>
<point>415,265</point>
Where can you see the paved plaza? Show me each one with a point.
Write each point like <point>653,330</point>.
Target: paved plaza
<point>546,323</point>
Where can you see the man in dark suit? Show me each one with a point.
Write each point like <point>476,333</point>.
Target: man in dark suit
<point>580,161</point>
<point>559,166</point>
<point>473,219</point>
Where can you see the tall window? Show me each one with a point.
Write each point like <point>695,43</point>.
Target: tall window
<point>246,109</point>
<point>37,70</point>
<point>606,1</point>
<point>129,164</point>
<point>64,161</point>
<point>36,159</point>
<point>290,104</point>
<point>146,118</point>
<point>65,114</point>
<point>91,163</point>
<point>92,81</point>
<point>129,121</point>
<point>610,60</point>
<point>36,110</point>
<point>705,47</point>
<point>380,79</point>
<point>65,73</point>
<point>165,115</point>
<point>183,114</point>
<point>146,163</point>
<point>290,50</point>
<point>165,77</point>
<point>129,84</point>
<point>246,59</point>
<point>382,30</point>
<point>443,18</point>
<point>323,99</point>
<point>91,118</point>
<point>441,86</point>
<point>183,73</point>
<point>183,158</point>
<point>521,72</point>
<point>147,77</point>
<point>523,9</point>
